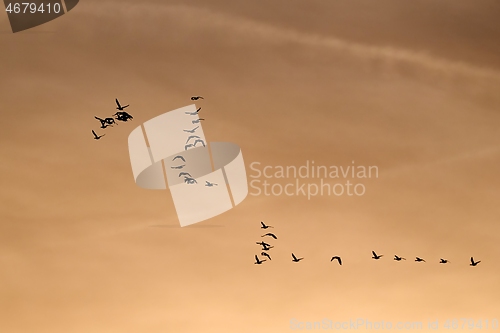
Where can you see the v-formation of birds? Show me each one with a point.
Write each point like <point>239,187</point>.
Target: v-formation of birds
<point>121,115</point>
<point>375,256</point>
<point>188,179</point>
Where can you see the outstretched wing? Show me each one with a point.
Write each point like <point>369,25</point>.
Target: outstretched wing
<point>179,156</point>
<point>294,257</point>
<point>374,254</point>
<point>118,103</point>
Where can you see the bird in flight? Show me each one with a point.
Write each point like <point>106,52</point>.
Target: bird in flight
<point>375,256</point>
<point>123,116</point>
<point>196,121</point>
<point>443,261</point>
<point>105,122</point>
<point>119,106</point>
<point>266,255</point>
<point>474,263</point>
<point>178,167</point>
<point>257,261</point>
<point>192,137</point>
<point>191,131</point>
<point>209,184</point>
<point>190,180</point>
<point>398,258</point>
<point>270,234</point>
<point>97,137</point>
<point>295,259</point>
<point>193,113</point>
<point>199,140</point>
<point>195,98</point>
<point>110,121</point>
<point>184,174</point>
<point>264,226</point>
<point>179,156</point>
<point>266,247</point>
<point>417,259</point>
<point>188,146</point>
<point>338,259</point>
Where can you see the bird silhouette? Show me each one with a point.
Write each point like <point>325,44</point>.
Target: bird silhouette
<point>192,137</point>
<point>338,259</point>
<point>195,98</point>
<point>443,261</point>
<point>97,137</point>
<point>264,226</point>
<point>179,156</point>
<point>190,180</point>
<point>196,121</point>
<point>257,261</point>
<point>266,255</point>
<point>104,122</point>
<point>199,140</point>
<point>417,259</point>
<point>295,259</point>
<point>188,146</point>
<point>270,234</point>
<point>209,184</point>
<point>123,116</point>
<point>178,167</point>
<point>119,106</point>
<point>262,243</point>
<point>375,256</point>
<point>266,247</point>
<point>474,263</point>
<point>192,131</point>
<point>193,113</point>
<point>398,258</point>
<point>110,121</point>
<point>184,174</point>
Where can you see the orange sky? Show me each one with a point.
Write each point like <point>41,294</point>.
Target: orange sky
<point>411,88</point>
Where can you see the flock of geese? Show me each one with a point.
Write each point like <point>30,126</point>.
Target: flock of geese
<point>188,179</point>
<point>121,115</point>
<point>266,247</point>
<point>418,259</point>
